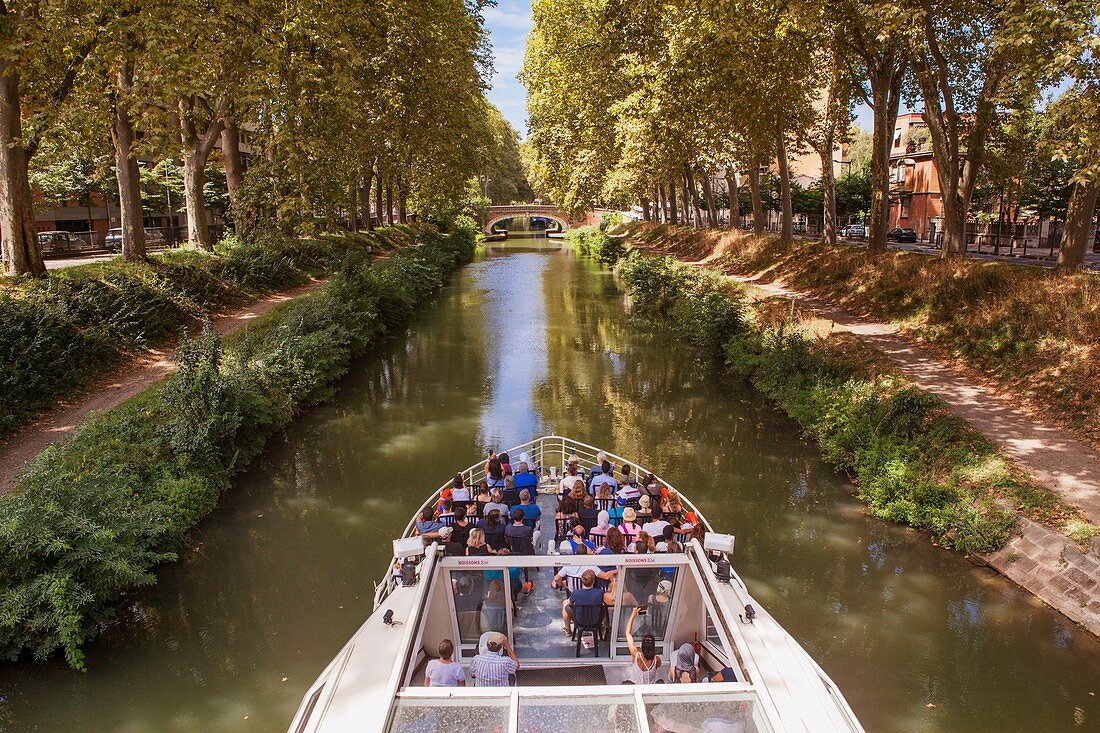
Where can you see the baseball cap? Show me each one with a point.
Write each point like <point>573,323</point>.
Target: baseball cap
<point>664,587</point>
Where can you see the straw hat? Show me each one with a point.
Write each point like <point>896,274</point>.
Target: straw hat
<point>644,501</point>
<point>629,514</point>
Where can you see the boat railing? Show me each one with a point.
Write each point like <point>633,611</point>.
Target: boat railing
<point>556,448</point>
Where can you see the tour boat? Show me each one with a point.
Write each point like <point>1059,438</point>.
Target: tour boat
<point>377,681</point>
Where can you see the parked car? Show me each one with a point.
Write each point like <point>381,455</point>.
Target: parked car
<point>55,243</point>
<point>854,230</point>
<point>113,240</point>
<point>902,234</point>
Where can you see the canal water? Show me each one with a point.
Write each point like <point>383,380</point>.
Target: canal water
<point>529,340</point>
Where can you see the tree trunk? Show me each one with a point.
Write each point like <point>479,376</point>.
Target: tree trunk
<point>735,203</point>
<point>692,194</point>
<point>758,223</point>
<point>672,205</point>
<point>378,196</point>
<point>646,215</point>
<point>131,218</point>
<point>389,205</point>
<point>886,95</point>
<point>402,205</point>
<point>686,201</point>
<point>22,254</point>
<point>664,203</point>
<point>234,166</point>
<point>1079,213</point>
<point>828,191</point>
<point>364,201</point>
<point>194,177</point>
<point>708,196</point>
<point>787,229</point>
<point>353,205</point>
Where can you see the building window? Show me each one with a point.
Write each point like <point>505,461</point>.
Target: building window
<point>905,201</point>
<point>897,137</point>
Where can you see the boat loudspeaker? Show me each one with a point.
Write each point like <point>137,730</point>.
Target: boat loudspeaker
<point>722,569</point>
<point>750,614</point>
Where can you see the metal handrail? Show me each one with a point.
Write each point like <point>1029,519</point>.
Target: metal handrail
<point>537,449</point>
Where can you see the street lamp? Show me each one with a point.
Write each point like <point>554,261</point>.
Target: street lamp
<point>844,162</point>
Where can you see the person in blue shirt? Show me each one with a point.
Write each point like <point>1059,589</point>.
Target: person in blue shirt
<point>587,595</point>
<point>605,476</point>
<point>525,478</point>
<point>531,511</point>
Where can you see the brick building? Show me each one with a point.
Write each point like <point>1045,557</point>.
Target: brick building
<point>915,200</point>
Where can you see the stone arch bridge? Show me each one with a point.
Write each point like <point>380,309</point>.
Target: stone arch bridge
<point>566,221</point>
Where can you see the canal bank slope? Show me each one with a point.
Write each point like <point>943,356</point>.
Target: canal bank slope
<point>92,516</point>
<point>1061,570</point>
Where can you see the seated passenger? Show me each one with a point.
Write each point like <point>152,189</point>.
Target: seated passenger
<point>572,475</point>
<point>493,529</point>
<point>451,548</point>
<point>699,532</point>
<point>446,509</point>
<point>615,512</point>
<point>645,509</point>
<point>444,672</point>
<point>525,478</point>
<point>644,661</point>
<point>588,512</point>
<point>497,503</point>
<point>428,526</point>
<point>577,537</point>
<point>531,511</point>
<point>614,544</point>
<point>669,546</point>
<point>603,523</point>
<point>459,490</point>
<point>489,668</point>
<point>505,464</point>
<point>655,527</point>
<point>587,595</point>
<point>726,674</point>
<point>577,493</point>
<point>628,492</point>
<point>482,495</point>
<point>461,527</point>
<point>509,495</point>
<point>643,544</point>
<point>629,527</point>
<point>476,545</point>
<point>627,477</point>
<point>686,666</point>
<point>515,576</point>
<point>606,476</point>
<point>520,537</point>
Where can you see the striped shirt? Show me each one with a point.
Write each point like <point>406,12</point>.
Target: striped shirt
<point>489,669</point>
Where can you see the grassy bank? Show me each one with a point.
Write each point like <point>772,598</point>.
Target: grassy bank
<point>911,460</point>
<point>59,334</point>
<point>91,517</point>
<point>1033,333</point>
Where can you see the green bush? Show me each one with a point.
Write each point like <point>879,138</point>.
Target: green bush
<point>60,333</point>
<point>596,243</point>
<point>913,463</point>
<point>92,516</point>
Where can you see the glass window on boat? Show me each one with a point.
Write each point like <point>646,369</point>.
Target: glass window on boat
<point>606,714</point>
<point>479,604</point>
<point>654,588</point>
<point>728,712</point>
<point>443,715</point>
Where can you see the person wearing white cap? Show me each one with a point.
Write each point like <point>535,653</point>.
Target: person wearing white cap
<point>450,547</point>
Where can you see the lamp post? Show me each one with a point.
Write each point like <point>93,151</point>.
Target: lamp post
<point>168,193</point>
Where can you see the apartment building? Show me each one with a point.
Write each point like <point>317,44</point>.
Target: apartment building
<point>915,200</point>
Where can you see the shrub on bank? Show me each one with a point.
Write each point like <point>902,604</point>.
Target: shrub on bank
<point>595,242</point>
<point>59,333</point>
<point>92,516</point>
<point>912,461</point>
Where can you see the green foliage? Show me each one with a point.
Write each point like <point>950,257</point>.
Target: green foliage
<point>597,243</point>
<point>92,516</point>
<point>913,462</point>
<point>59,333</point>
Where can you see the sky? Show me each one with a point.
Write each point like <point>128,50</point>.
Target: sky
<point>508,24</point>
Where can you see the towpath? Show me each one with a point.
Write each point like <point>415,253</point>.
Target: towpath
<point>128,379</point>
<point>1038,558</point>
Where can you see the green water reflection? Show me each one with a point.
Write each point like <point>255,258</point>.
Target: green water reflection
<point>532,340</point>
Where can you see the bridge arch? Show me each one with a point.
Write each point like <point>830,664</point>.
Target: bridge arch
<point>498,214</point>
